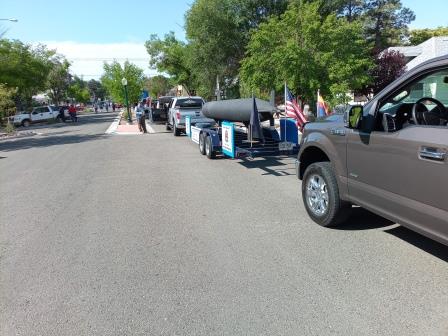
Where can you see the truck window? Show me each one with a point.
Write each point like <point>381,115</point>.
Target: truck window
<point>189,103</point>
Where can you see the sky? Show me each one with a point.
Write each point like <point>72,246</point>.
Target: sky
<point>89,32</point>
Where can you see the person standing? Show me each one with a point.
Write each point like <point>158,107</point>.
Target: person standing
<point>113,107</point>
<point>72,112</point>
<point>62,113</point>
<point>140,115</point>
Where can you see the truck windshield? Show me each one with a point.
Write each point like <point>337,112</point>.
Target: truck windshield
<point>189,103</point>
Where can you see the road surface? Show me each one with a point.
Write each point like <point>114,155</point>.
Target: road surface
<point>141,235</point>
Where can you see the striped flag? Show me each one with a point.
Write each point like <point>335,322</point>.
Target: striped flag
<point>293,110</point>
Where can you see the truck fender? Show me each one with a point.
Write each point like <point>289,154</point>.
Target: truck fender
<point>316,147</point>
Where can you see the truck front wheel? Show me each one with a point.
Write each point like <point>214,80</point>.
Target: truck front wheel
<point>25,123</point>
<point>320,195</point>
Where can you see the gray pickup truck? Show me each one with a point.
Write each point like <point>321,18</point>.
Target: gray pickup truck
<point>389,156</point>
<point>181,107</point>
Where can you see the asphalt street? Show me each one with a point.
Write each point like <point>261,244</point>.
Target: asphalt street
<point>141,235</point>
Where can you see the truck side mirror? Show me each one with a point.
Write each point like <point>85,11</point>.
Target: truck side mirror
<point>353,117</point>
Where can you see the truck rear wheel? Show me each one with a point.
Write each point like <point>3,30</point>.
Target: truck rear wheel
<point>320,195</point>
<point>209,148</point>
<point>176,131</point>
<point>202,143</point>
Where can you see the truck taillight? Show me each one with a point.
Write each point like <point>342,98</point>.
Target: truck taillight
<point>178,115</point>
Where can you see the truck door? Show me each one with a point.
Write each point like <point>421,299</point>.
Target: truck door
<point>39,114</point>
<point>403,170</point>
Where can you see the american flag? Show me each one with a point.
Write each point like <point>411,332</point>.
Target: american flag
<point>293,109</point>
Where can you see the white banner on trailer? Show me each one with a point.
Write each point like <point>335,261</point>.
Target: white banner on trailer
<point>195,131</point>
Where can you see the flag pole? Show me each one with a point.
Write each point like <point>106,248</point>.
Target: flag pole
<point>317,103</point>
<point>285,117</point>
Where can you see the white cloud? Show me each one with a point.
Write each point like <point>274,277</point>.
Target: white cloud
<point>87,58</point>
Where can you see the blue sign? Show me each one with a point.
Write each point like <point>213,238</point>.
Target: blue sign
<point>145,94</point>
<point>188,126</point>
<point>228,139</point>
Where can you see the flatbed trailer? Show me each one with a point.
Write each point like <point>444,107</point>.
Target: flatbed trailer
<point>236,142</point>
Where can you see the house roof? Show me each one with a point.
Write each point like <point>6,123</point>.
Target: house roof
<point>434,47</point>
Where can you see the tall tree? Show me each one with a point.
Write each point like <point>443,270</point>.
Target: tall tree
<point>158,85</point>
<point>25,67</point>
<point>78,90</point>
<point>96,89</point>
<point>58,80</point>
<point>114,73</point>
<point>309,51</point>
<point>170,56</point>
<point>218,32</point>
<point>386,22</point>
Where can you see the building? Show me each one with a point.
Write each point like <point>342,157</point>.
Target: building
<point>434,47</point>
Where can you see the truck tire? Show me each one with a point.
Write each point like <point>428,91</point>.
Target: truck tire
<point>320,194</point>
<point>202,143</point>
<point>168,127</point>
<point>176,131</point>
<point>209,148</point>
<point>26,123</point>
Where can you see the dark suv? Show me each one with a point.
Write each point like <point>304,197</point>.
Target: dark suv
<point>389,156</point>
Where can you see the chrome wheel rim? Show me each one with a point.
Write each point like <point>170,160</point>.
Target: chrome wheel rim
<point>317,195</point>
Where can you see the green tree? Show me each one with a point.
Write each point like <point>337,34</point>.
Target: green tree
<point>78,90</point>
<point>24,67</point>
<point>96,89</point>
<point>309,51</point>
<point>170,56</point>
<point>113,74</point>
<point>158,85</point>
<point>385,22</point>
<point>418,36</point>
<point>7,104</point>
<point>58,80</point>
<point>218,32</point>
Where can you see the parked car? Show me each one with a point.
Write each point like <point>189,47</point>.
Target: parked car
<point>159,109</point>
<point>38,114</point>
<point>389,156</point>
<point>179,108</point>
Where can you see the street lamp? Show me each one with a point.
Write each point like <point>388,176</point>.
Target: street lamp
<point>124,81</point>
<point>12,20</point>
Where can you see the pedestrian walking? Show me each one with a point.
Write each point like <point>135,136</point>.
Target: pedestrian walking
<point>114,107</point>
<point>72,112</point>
<point>62,113</point>
<point>95,106</point>
<point>140,115</point>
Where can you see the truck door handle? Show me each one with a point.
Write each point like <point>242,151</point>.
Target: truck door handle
<point>432,154</point>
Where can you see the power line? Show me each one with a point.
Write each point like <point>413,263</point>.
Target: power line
<point>97,59</point>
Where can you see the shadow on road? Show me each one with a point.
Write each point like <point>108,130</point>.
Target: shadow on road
<point>274,166</point>
<point>428,245</point>
<point>35,142</point>
<point>362,219</point>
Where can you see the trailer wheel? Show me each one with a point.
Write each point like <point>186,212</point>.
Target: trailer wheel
<point>202,143</point>
<point>209,148</point>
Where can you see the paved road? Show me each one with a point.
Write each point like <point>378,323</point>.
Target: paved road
<point>141,235</point>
